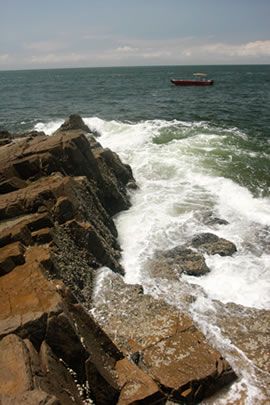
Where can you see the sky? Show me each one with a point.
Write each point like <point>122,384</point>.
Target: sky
<point>37,34</point>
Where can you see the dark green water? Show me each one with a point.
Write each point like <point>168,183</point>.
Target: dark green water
<point>240,96</point>
<point>239,100</point>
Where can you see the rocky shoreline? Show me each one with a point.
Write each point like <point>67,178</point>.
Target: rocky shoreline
<point>58,197</point>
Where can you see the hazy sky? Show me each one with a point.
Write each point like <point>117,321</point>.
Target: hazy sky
<point>65,33</point>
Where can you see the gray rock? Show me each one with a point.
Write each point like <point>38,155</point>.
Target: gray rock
<point>210,219</point>
<point>170,264</point>
<point>212,244</point>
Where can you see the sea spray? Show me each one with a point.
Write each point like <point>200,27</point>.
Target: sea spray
<point>187,172</point>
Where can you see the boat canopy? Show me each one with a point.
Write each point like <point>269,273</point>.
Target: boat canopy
<point>200,74</point>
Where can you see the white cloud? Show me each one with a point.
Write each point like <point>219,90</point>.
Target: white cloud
<point>249,49</point>
<point>186,50</point>
<point>126,49</point>
<point>155,54</point>
<point>191,50</point>
<point>117,52</point>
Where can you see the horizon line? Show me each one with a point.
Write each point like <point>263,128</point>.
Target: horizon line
<point>129,66</point>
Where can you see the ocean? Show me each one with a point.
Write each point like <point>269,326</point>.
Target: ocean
<point>195,152</point>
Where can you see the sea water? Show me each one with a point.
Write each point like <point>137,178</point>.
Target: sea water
<point>194,152</point>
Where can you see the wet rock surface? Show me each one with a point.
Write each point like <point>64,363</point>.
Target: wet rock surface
<point>248,331</point>
<point>57,198</point>
<point>172,263</point>
<point>211,219</point>
<point>188,259</point>
<point>211,244</point>
<point>161,341</point>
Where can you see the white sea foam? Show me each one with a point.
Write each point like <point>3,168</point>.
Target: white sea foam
<point>48,127</point>
<point>174,187</point>
<point>177,187</point>
<point>241,279</point>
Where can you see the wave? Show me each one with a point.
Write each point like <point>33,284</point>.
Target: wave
<point>181,179</point>
<point>187,171</point>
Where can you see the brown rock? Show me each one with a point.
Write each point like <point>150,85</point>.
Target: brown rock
<point>11,184</point>
<point>34,397</point>
<point>94,144</point>
<point>248,329</point>
<point>42,236</point>
<point>100,367</point>
<point>107,372</point>
<point>87,236</point>
<point>27,200</point>
<point>45,193</point>
<point>11,256</point>
<point>122,173</point>
<point>5,141</point>
<point>28,297</point>
<point>37,222</point>
<point>14,231</point>
<point>66,344</point>
<point>23,371</point>
<point>20,228</point>
<point>64,210</point>
<point>74,121</point>
<point>60,381</point>
<point>183,361</point>
<point>167,345</point>
<point>138,387</point>
<point>57,190</point>
<point>69,153</point>
<point>15,367</point>
<point>79,246</point>
<point>104,388</point>
<point>41,310</point>
<point>30,134</point>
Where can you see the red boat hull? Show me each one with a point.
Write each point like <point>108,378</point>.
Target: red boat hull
<point>192,82</point>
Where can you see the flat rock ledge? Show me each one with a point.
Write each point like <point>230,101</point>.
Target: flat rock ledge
<point>58,195</point>
<point>161,341</point>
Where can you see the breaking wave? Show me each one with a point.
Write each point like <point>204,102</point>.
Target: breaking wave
<point>187,171</point>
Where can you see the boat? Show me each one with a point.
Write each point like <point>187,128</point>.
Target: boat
<point>199,81</point>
